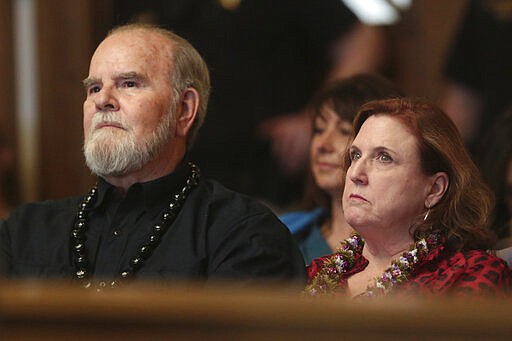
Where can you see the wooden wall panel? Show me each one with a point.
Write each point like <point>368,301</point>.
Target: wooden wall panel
<point>65,46</point>
<point>9,188</point>
<point>6,71</point>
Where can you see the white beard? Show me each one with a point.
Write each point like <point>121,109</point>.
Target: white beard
<point>117,152</point>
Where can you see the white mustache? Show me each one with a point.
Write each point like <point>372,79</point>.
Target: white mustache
<point>110,118</point>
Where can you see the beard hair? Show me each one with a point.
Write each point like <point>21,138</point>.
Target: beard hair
<point>117,152</point>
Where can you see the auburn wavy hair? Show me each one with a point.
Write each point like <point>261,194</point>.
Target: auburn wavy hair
<point>462,215</point>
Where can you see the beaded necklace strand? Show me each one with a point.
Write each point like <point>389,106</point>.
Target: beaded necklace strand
<point>78,239</point>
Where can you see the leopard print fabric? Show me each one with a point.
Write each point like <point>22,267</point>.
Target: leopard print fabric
<point>473,272</point>
<point>465,272</point>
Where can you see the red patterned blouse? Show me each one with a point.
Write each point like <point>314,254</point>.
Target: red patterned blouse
<point>464,272</point>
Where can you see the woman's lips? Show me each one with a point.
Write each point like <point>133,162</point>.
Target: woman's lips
<point>327,165</point>
<point>357,197</point>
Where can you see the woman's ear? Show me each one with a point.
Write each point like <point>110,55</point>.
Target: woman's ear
<point>438,187</point>
<point>187,111</point>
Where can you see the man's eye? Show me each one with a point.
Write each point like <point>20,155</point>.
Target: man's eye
<point>129,84</point>
<point>94,89</point>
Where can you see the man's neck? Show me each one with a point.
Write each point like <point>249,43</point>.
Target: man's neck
<point>153,170</point>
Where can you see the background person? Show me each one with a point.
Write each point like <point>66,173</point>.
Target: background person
<point>495,161</point>
<point>478,69</point>
<point>419,206</point>
<point>151,215</point>
<point>267,58</point>
<point>320,226</point>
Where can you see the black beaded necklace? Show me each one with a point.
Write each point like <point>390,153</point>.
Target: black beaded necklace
<point>145,249</point>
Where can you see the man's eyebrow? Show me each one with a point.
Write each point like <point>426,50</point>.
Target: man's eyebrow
<point>128,75</point>
<point>124,75</point>
<point>90,81</point>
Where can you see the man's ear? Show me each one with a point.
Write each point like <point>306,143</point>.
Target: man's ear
<point>187,111</point>
<point>438,188</point>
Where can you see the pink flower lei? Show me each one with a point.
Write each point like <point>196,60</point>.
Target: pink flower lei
<point>326,281</point>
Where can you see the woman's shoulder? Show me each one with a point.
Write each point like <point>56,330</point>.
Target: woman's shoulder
<point>478,258</point>
<point>467,272</point>
<point>473,261</point>
<point>475,271</point>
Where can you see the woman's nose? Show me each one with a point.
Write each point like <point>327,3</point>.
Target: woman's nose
<point>326,142</point>
<point>357,172</point>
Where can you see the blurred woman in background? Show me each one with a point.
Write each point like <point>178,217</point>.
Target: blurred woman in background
<point>320,226</point>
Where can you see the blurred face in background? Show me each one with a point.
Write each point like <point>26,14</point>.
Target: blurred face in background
<point>330,138</point>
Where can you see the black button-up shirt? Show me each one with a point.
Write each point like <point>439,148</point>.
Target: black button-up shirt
<point>218,234</point>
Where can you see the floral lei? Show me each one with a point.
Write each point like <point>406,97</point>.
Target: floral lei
<point>343,260</point>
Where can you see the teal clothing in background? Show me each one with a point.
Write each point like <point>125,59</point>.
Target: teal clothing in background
<point>304,225</point>
<point>313,245</point>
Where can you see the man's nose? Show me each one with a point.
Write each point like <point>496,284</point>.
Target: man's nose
<point>106,99</point>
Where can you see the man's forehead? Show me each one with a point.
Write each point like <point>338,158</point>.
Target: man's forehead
<point>141,36</point>
<point>123,46</point>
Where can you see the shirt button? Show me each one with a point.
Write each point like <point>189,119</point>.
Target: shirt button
<point>117,233</point>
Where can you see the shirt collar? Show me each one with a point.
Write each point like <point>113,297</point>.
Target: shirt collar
<point>149,193</point>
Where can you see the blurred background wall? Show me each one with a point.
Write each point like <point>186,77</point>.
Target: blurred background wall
<point>65,35</point>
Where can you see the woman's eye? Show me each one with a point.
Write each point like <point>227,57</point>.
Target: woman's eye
<point>317,130</point>
<point>355,155</point>
<point>384,157</point>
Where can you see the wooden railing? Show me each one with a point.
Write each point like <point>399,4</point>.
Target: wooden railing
<point>53,311</point>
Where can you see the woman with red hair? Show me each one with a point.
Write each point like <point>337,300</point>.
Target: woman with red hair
<point>419,207</point>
